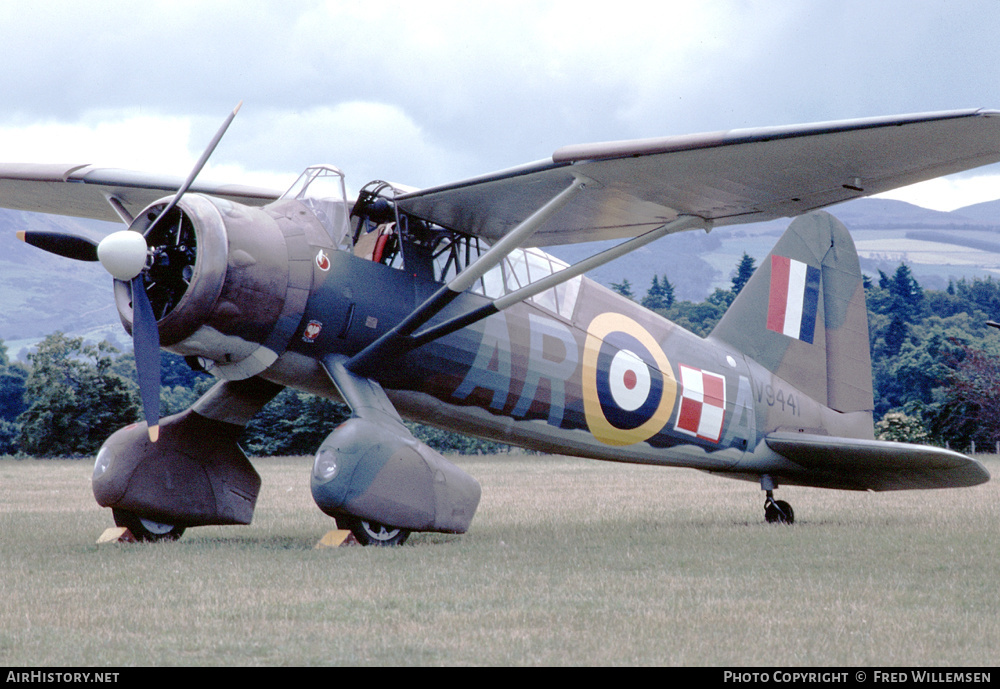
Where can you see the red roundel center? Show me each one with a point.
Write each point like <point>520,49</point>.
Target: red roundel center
<point>630,379</point>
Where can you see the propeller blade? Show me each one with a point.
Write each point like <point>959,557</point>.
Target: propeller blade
<point>199,165</point>
<point>68,245</point>
<point>146,341</point>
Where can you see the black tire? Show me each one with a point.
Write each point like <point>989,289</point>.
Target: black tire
<point>369,532</point>
<point>146,529</point>
<point>779,512</point>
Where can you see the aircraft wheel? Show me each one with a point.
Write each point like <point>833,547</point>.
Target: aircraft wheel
<point>373,533</point>
<point>778,512</point>
<point>146,529</point>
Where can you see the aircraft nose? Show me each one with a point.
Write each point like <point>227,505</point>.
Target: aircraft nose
<point>123,254</point>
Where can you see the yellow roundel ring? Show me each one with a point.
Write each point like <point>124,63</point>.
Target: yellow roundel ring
<point>603,326</point>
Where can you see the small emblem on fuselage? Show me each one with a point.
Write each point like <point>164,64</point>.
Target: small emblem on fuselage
<point>703,403</point>
<point>312,331</point>
<point>322,261</point>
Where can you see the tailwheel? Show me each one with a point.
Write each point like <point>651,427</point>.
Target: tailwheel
<point>778,512</point>
<point>369,532</point>
<point>147,529</point>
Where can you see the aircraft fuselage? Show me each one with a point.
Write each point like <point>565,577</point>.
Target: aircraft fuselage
<point>615,382</point>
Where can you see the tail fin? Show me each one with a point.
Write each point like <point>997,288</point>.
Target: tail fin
<point>802,315</point>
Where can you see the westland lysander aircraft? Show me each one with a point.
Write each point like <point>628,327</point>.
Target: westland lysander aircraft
<point>438,305</point>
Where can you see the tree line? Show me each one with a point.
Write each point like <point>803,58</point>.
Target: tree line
<point>70,396</point>
<point>935,365</point>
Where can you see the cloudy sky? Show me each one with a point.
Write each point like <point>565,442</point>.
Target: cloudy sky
<point>423,92</point>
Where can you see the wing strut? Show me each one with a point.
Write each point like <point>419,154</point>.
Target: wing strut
<point>119,208</point>
<point>684,222</point>
<point>397,341</point>
<point>403,338</point>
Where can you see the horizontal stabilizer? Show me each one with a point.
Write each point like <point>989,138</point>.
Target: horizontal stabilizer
<point>860,464</point>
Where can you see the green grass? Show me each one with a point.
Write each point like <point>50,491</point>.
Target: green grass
<point>567,562</point>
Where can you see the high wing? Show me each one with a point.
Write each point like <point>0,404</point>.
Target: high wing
<point>634,186</point>
<point>726,178</point>
<point>86,191</point>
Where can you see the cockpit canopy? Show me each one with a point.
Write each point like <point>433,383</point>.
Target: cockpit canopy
<point>322,189</point>
<point>432,252</point>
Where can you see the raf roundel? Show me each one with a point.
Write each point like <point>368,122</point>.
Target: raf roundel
<point>629,388</point>
<point>629,380</point>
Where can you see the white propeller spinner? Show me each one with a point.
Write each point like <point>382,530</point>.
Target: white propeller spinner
<point>123,254</point>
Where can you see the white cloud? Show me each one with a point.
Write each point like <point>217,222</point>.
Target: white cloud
<point>949,193</point>
<point>424,93</point>
<point>107,139</point>
<point>367,140</point>
<point>148,143</point>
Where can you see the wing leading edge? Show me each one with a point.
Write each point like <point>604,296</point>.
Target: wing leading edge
<point>633,186</point>
<point>83,190</point>
<point>724,177</point>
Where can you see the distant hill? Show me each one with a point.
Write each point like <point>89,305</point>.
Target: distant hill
<point>888,213</point>
<point>987,212</point>
<point>956,244</point>
<point>41,293</point>
<point>685,258</point>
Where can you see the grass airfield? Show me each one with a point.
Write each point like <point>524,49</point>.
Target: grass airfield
<point>568,562</point>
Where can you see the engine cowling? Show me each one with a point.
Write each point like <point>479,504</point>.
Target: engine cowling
<point>228,283</point>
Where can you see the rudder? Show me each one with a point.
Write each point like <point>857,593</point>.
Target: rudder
<point>802,315</point>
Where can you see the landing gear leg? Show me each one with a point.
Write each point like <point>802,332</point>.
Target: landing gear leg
<point>775,511</point>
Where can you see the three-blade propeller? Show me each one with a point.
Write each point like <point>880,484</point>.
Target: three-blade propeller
<point>125,255</point>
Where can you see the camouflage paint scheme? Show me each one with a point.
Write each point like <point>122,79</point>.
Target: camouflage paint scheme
<point>358,304</point>
<point>531,377</point>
